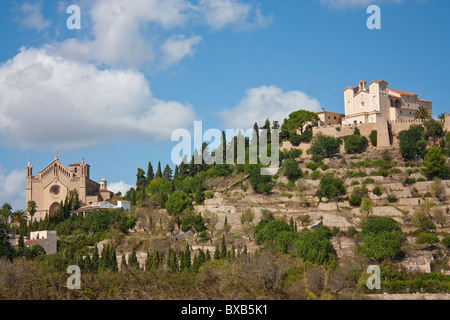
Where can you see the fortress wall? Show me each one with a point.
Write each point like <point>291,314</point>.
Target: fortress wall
<point>345,130</point>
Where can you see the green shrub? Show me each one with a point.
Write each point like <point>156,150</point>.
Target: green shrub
<point>291,170</point>
<point>295,140</point>
<point>355,143</point>
<point>410,181</point>
<point>369,181</point>
<point>426,238</point>
<point>446,242</point>
<point>324,167</point>
<point>209,194</point>
<point>312,166</point>
<point>316,246</point>
<point>352,231</point>
<point>267,230</point>
<point>355,200</point>
<point>195,222</point>
<point>325,146</point>
<point>391,198</point>
<point>315,175</point>
<point>377,191</point>
<point>373,138</point>
<point>382,238</point>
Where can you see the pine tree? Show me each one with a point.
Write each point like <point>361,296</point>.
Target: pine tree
<point>140,180</point>
<point>133,197</point>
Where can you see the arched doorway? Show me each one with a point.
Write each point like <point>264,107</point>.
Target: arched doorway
<point>53,208</point>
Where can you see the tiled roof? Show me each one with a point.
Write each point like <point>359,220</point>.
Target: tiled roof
<point>403,92</point>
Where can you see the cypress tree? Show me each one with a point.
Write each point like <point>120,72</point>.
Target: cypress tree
<point>132,259</point>
<point>167,174</point>
<point>88,263</point>
<point>233,253</point>
<point>187,258</point>
<point>150,174</point>
<point>21,243</point>
<point>159,172</point>
<point>199,197</point>
<point>123,263</point>
<point>149,261</point>
<point>208,255</point>
<point>176,174</point>
<point>113,260</point>
<point>217,253</point>
<point>223,252</point>
<point>95,259</point>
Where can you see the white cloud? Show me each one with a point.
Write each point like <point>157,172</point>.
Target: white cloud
<point>119,187</point>
<point>352,3</point>
<point>124,32</point>
<point>50,101</point>
<point>32,17</point>
<point>266,102</point>
<point>12,188</point>
<point>178,47</point>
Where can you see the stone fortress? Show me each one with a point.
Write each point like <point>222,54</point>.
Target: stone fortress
<point>51,186</point>
<point>376,107</point>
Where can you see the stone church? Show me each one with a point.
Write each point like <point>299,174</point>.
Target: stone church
<point>51,185</point>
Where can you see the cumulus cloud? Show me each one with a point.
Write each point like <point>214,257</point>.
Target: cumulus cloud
<point>31,16</point>
<point>121,187</point>
<point>124,32</point>
<point>220,14</point>
<point>50,101</point>
<point>352,3</point>
<point>178,47</point>
<point>12,188</point>
<point>266,102</point>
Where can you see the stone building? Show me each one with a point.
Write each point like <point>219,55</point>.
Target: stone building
<point>380,103</point>
<point>51,186</point>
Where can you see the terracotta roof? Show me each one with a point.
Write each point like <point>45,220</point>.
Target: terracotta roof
<point>33,241</point>
<point>424,100</point>
<point>377,81</point>
<point>76,164</point>
<point>403,92</point>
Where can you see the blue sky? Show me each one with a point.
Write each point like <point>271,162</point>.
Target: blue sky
<point>114,91</point>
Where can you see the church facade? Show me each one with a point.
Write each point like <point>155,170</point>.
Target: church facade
<point>379,103</point>
<point>51,186</point>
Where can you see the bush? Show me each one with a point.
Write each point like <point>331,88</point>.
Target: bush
<point>409,141</point>
<point>373,138</point>
<point>295,140</point>
<point>315,175</point>
<point>291,170</point>
<point>352,231</point>
<point>331,187</point>
<point>312,166</point>
<point>178,202</point>
<point>316,246</point>
<point>291,154</point>
<point>221,170</point>
<point>260,183</point>
<point>427,238</point>
<point>285,241</point>
<point>325,146</point>
<point>193,221</point>
<point>355,143</point>
<point>446,242</point>
<point>377,191</point>
<point>382,238</point>
<point>209,194</point>
<point>410,181</point>
<point>369,181</point>
<point>267,230</point>
<point>355,200</point>
<point>391,198</point>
